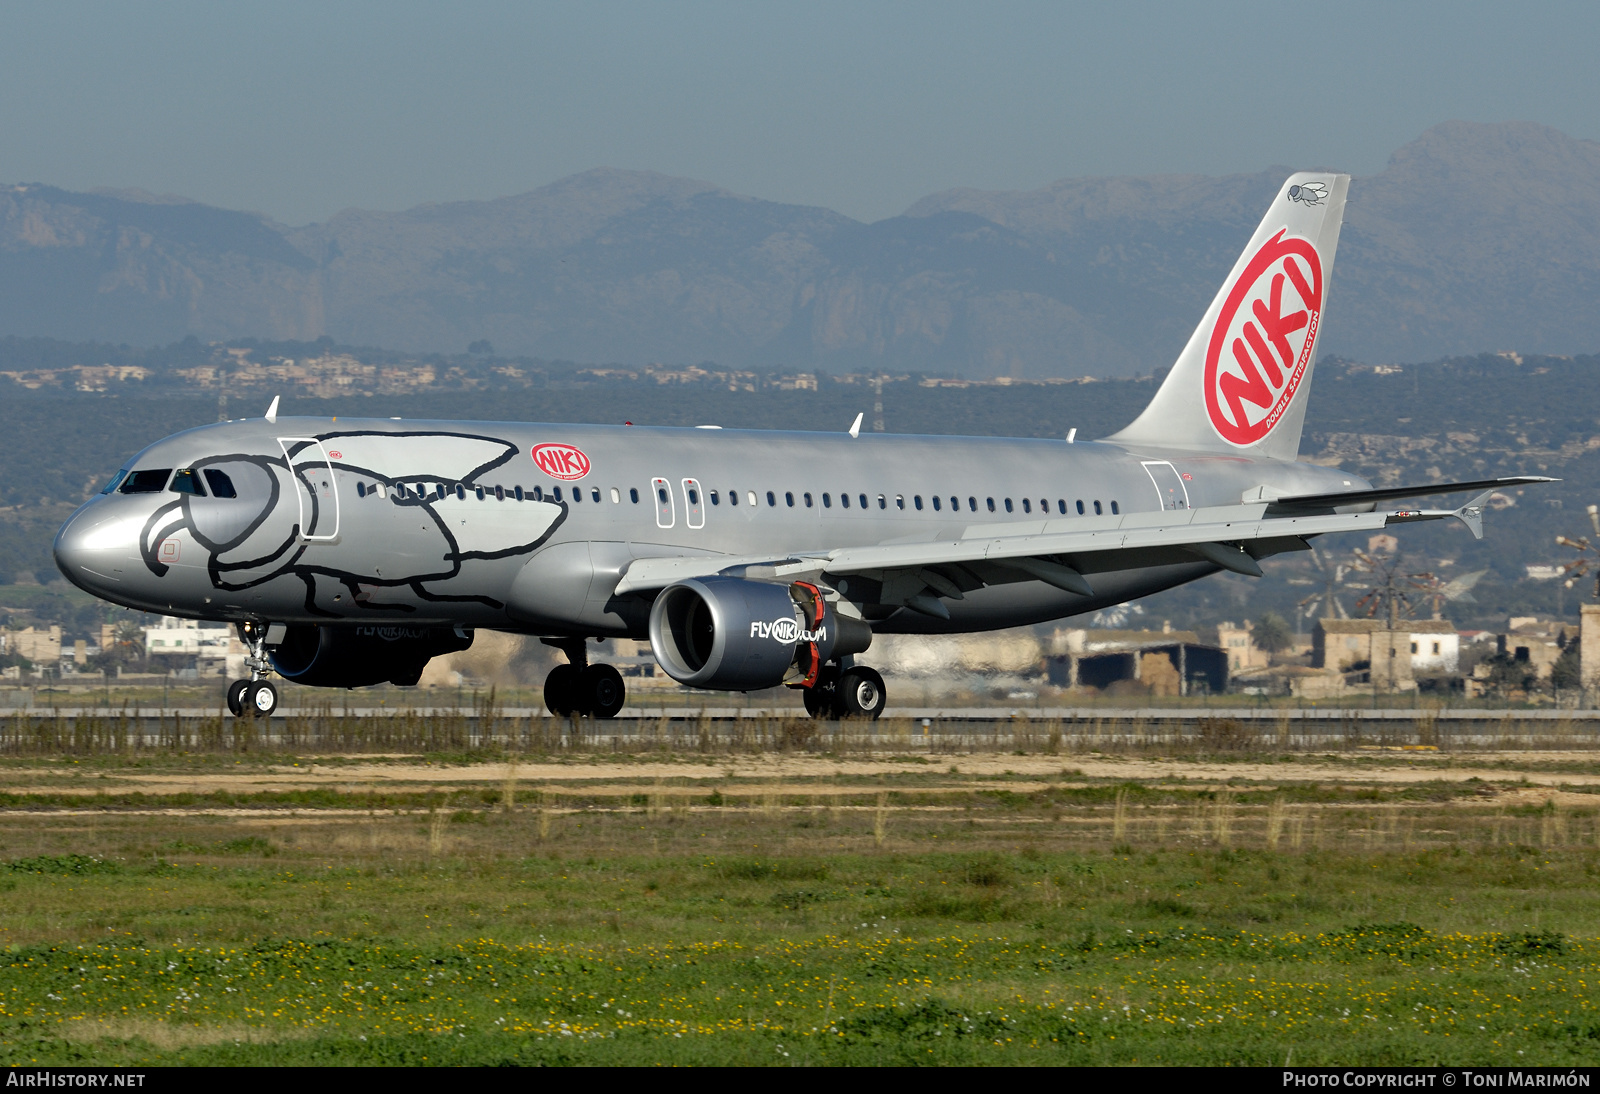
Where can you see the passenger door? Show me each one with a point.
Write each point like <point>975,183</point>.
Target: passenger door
<point>318,493</point>
<point>1168,483</point>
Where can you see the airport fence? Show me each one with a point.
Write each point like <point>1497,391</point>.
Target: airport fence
<point>486,727</point>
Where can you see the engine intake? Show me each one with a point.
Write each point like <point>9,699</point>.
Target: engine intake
<point>730,634</point>
<point>356,657</point>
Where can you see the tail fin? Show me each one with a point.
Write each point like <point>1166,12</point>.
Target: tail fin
<point>1241,383</point>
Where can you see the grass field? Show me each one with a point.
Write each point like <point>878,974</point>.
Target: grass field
<point>1373,908</point>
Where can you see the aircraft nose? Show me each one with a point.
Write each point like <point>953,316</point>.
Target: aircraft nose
<point>95,547</point>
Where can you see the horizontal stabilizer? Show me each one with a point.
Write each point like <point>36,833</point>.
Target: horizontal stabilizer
<point>1301,503</point>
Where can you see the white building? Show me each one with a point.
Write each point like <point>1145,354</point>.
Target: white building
<point>214,646</point>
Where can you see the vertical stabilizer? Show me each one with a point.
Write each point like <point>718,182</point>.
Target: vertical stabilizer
<point>1241,383</point>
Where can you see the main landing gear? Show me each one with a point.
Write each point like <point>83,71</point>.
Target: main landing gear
<point>255,697</point>
<point>581,688</point>
<point>854,692</point>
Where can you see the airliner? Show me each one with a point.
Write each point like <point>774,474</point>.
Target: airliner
<point>348,552</point>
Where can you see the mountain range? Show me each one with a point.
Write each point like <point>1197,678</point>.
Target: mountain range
<point>1474,237</point>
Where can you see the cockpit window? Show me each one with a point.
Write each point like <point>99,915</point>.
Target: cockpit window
<point>116,480</point>
<point>187,482</point>
<point>146,482</point>
<point>221,485</point>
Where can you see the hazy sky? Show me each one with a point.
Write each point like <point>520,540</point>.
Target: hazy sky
<point>301,109</point>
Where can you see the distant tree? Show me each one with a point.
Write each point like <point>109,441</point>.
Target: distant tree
<point>1506,673</point>
<point>481,348</point>
<point>1272,633</point>
<point>1565,672</point>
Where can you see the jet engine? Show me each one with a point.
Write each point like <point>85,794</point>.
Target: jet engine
<point>354,657</point>
<point>730,634</point>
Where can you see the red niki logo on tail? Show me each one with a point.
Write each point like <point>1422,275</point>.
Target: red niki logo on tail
<point>1263,339</point>
<point>561,461</point>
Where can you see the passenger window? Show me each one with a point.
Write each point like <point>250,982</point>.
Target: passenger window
<point>899,501</point>
<point>827,501</point>
<point>772,500</point>
<point>594,494</point>
<point>554,493</point>
<point>577,494</point>
<point>955,503</point>
<point>991,504</point>
<point>882,502</point>
<point>694,496</point>
<point>461,492</point>
<point>187,482</point>
<point>500,493</point>
<point>936,503</point>
<point>863,499</point>
<point>750,496</point>
<point>115,480</point>
<point>1027,506</point>
<point>807,497</point>
<point>146,482</point>
<point>788,496</point>
<point>1061,503</point>
<point>519,493</point>
<point>715,498</point>
<point>1044,505</point>
<point>661,495</point>
<point>1097,509</point>
<point>844,500</point>
<point>733,497</point>
<point>1114,508</point>
<point>478,490</point>
<point>1080,507</point>
<point>972,503</point>
<point>616,496</point>
<point>633,494</point>
<point>917,501</point>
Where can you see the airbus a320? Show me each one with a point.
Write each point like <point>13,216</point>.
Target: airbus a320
<point>350,552</point>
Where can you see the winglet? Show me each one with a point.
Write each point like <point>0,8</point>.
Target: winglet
<point>855,426</point>
<point>272,411</point>
<point>1471,514</point>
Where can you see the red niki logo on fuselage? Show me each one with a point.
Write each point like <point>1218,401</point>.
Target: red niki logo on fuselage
<point>560,461</point>
<point>1263,339</point>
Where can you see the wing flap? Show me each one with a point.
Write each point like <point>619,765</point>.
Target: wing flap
<point>1301,502</point>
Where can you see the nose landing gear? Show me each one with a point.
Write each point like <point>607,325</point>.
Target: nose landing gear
<point>255,697</point>
<point>581,688</point>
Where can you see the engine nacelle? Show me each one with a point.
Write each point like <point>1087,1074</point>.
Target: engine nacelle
<point>730,634</point>
<point>356,657</point>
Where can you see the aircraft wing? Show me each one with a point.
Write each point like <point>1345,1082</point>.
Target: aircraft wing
<point>1315,502</point>
<point>1063,552</point>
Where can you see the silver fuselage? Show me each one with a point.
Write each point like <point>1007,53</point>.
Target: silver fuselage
<point>382,520</point>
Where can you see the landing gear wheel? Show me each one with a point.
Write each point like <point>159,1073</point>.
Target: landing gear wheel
<point>260,699</point>
<point>819,698</point>
<point>236,692</point>
<point>561,690</point>
<point>601,691</point>
<point>861,694</point>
